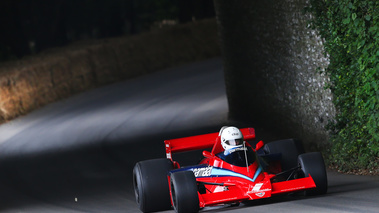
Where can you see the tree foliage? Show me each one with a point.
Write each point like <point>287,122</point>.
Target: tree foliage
<point>29,27</point>
<point>351,33</point>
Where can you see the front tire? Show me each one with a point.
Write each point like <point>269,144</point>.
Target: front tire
<point>151,184</point>
<point>313,164</point>
<point>184,194</point>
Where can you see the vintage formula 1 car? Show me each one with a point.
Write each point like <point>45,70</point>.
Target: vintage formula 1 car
<point>248,173</point>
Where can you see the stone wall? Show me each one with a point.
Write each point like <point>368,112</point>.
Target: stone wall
<point>272,64</point>
<point>36,81</point>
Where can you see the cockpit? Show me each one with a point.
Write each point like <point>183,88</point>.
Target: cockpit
<point>240,156</point>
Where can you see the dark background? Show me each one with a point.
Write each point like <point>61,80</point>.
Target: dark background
<point>28,27</point>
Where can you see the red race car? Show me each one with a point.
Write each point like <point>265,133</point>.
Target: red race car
<point>234,171</point>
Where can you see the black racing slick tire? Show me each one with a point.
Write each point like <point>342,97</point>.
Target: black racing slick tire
<point>151,185</point>
<point>313,164</point>
<point>289,149</point>
<point>184,194</point>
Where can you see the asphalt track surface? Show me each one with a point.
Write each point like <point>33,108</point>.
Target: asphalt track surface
<point>77,155</point>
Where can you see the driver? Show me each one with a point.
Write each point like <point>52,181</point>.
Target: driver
<point>231,139</point>
<point>235,149</point>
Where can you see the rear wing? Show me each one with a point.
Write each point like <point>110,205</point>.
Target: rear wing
<point>200,142</point>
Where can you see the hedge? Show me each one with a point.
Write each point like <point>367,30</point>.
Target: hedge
<point>351,37</point>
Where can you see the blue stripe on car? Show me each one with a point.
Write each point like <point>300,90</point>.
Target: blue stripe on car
<point>224,172</point>
<point>217,172</point>
<point>259,170</point>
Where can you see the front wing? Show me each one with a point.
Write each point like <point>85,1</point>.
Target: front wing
<point>223,190</point>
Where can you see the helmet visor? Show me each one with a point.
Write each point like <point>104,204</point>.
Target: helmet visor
<point>236,142</point>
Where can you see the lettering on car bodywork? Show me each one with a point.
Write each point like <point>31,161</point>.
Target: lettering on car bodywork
<point>202,172</point>
<point>257,187</point>
<point>230,151</point>
<point>258,191</point>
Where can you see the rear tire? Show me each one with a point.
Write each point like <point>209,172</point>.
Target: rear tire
<point>184,194</point>
<point>313,164</point>
<point>289,149</point>
<point>151,184</point>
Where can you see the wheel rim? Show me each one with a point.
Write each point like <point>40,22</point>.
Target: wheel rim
<point>173,195</point>
<point>136,189</point>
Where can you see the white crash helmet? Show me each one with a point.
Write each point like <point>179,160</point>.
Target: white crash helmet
<point>231,137</point>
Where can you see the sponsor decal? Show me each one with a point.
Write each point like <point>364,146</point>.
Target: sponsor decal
<point>230,151</point>
<point>257,187</point>
<point>220,189</point>
<point>202,172</point>
<point>260,194</point>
